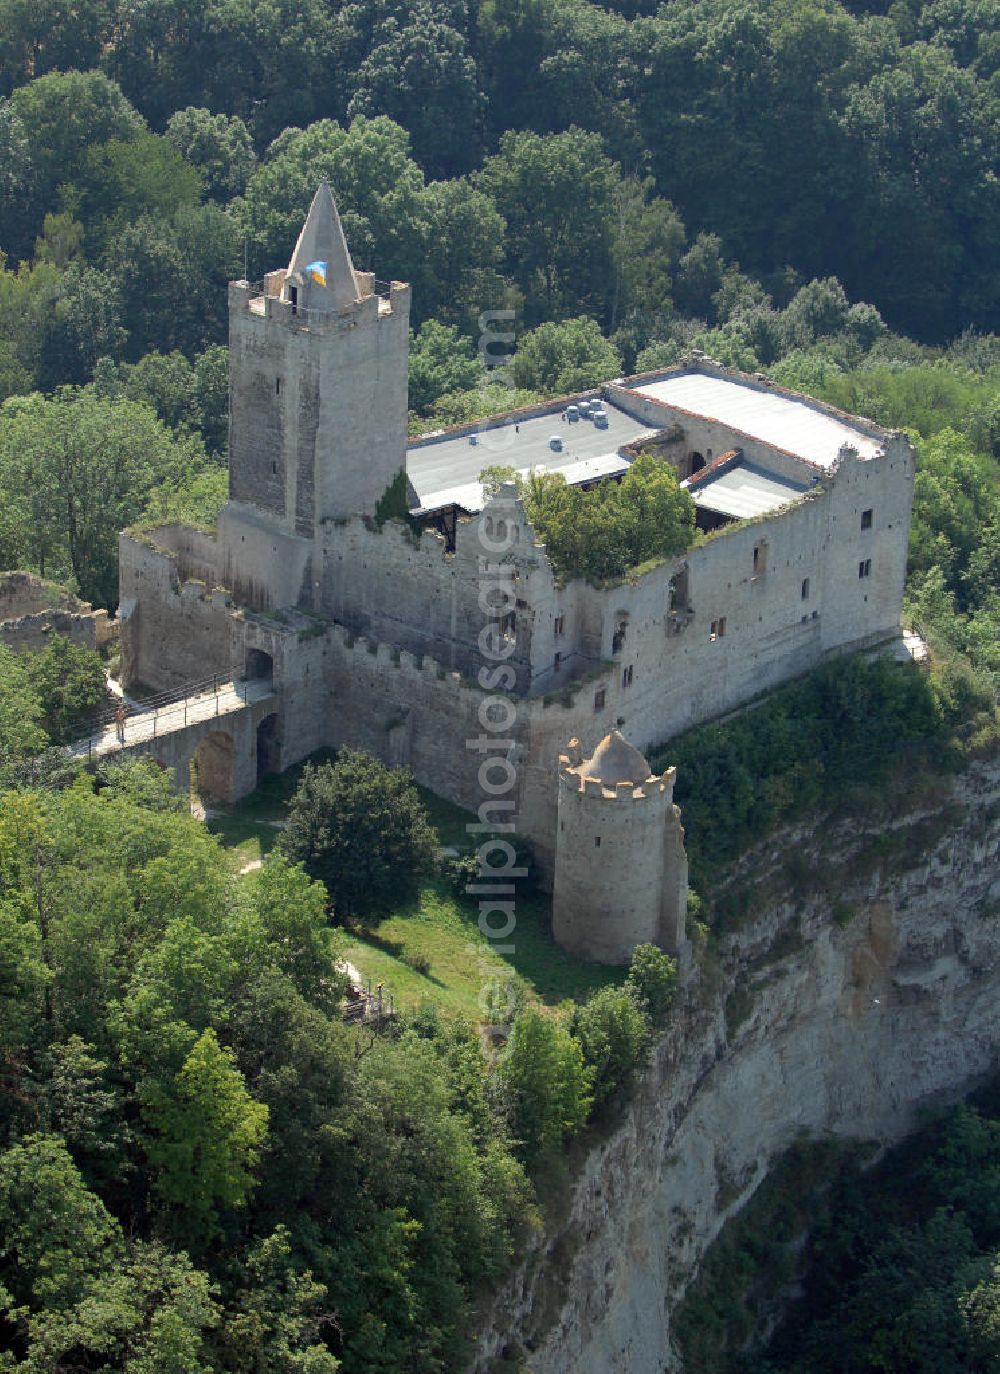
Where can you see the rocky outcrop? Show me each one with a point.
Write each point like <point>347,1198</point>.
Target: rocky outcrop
<point>861,988</point>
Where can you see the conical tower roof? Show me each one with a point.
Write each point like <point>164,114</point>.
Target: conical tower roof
<point>614,761</point>
<point>322,241</point>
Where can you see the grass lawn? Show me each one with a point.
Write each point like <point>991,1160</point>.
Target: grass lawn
<point>440,928</point>
<point>461,961</point>
<point>243,839</point>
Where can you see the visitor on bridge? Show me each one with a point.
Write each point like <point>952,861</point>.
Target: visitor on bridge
<point>121,715</point>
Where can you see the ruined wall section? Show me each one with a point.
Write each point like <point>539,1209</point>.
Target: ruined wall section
<point>172,632</point>
<point>33,610</point>
<point>265,566</point>
<point>869,520</point>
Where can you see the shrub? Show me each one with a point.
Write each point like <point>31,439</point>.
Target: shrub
<point>546,1084</point>
<point>360,828</point>
<point>614,1034</point>
<point>652,977</point>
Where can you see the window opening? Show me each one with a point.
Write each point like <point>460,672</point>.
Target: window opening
<point>866,519</point>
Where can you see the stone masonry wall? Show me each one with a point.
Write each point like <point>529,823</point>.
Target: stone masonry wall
<point>609,867</point>
<point>33,610</point>
<point>172,632</point>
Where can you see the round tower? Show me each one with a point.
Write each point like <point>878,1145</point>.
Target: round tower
<point>620,868</point>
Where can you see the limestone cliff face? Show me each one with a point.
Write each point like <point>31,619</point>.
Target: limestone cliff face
<point>868,989</point>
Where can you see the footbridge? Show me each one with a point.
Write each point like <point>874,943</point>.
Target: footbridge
<point>229,731</point>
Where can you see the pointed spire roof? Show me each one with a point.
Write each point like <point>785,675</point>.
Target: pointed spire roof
<point>322,241</point>
<point>614,761</point>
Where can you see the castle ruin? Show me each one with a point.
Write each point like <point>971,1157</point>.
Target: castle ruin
<point>371,628</point>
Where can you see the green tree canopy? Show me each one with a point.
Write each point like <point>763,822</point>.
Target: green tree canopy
<point>601,533</point>
<point>61,117</point>
<point>565,357</point>
<point>417,70</point>
<point>79,469</point>
<point>204,1136</point>
<point>71,685</point>
<point>218,146</point>
<point>557,195</point>
<point>21,732</point>
<point>614,1035</point>
<point>360,828</point>
<point>546,1083</point>
<point>441,361</point>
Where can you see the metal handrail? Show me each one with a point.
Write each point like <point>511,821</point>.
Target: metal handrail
<point>152,707</point>
<point>202,687</point>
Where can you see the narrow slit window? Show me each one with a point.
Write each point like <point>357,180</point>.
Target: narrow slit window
<point>599,699</point>
<point>805,589</point>
<point>866,519</point>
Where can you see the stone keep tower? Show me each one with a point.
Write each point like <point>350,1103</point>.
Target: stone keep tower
<point>317,383</point>
<point>620,871</point>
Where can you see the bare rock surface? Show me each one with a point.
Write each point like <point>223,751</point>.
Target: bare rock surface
<point>863,991</point>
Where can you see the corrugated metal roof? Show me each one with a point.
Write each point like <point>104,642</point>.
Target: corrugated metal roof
<point>444,470</point>
<point>774,418</point>
<point>743,491</point>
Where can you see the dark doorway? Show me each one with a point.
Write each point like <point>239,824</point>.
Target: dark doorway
<point>697,463</point>
<point>260,666</point>
<point>268,747</point>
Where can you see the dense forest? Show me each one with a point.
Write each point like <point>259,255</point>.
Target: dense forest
<point>202,1166</point>
<point>901,1272</point>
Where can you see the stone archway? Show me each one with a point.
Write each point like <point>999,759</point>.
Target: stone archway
<point>268,746</point>
<point>213,767</point>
